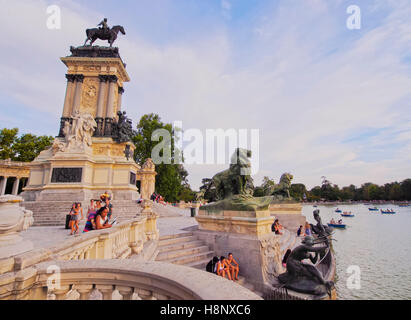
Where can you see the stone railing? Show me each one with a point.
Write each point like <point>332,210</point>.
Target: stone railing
<point>118,242</point>
<point>118,279</point>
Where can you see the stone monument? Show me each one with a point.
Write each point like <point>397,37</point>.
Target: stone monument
<point>93,152</point>
<point>241,224</point>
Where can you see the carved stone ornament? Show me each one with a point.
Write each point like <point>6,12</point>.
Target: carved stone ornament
<point>149,165</point>
<point>77,136</point>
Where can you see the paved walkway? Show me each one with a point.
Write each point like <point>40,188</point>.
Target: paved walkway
<point>44,237</point>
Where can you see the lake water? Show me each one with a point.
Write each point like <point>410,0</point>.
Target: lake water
<point>379,244</point>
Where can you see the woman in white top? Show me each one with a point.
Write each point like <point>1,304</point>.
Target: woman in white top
<point>101,219</point>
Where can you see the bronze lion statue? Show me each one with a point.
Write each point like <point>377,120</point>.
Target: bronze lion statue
<point>281,190</point>
<point>236,180</point>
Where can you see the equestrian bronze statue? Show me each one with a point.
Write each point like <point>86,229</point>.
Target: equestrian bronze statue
<point>103,33</point>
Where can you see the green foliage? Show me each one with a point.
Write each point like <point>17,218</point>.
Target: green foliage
<point>297,191</point>
<point>368,192</point>
<point>171,179</point>
<point>24,148</point>
<point>209,190</point>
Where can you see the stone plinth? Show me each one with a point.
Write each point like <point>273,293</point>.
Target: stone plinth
<point>91,154</point>
<point>289,214</point>
<point>241,222</point>
<point>13,220</point>
<point>247,234</point>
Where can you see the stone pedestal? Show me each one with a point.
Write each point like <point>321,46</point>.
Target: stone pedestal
<point>13,220</point>
<point>288,213</point>
<point>89,156</point>
<point>246,234</point>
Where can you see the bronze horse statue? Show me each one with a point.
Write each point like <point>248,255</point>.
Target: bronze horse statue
<point>97,33</point>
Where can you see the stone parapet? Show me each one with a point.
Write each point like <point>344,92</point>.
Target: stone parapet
<point>244,222</point>
<point>132,279</point>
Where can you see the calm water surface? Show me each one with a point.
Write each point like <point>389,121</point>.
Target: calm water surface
<point>379,244</point>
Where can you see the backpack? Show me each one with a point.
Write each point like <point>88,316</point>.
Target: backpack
<point>211,265</point>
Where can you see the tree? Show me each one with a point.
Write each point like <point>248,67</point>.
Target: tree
<point>171,177</point>
<point>395,192</point>
<point>209,190</point>
<point>406,189</point>
<point>25,148</point>
<point>297,191</point>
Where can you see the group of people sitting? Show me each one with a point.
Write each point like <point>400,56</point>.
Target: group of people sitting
<point>224,267</point>
<point>333,221</point>
<point>304,231</point>
<point>98,215</point>
<point>157,198</point>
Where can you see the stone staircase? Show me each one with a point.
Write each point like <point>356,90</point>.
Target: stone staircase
<point>186,249</point>
<point>53,213</point>
<point>288,241</point>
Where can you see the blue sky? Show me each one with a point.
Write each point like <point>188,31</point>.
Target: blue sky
<point>328,101</point>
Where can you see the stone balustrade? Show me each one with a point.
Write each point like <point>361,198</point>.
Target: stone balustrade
<point>118,242</point>
<point>118,279</point>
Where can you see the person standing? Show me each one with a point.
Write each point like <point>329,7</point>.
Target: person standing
<point>75,217</point>
<point>109,207</point>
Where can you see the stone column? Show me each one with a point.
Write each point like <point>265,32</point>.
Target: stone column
<point>120,98</point>
<point>3,186</point>
<point>110,106</point>
<point>16,185</point>
<point>100,106</point>
<point>68,102</point>
<point>77,94</point>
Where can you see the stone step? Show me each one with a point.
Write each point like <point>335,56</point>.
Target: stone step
<point>176,240</point>
<point>176,235</point>
<point>192,258</point>
<point>182,245</point>
<point>167,255</point>
<point>199,264</point>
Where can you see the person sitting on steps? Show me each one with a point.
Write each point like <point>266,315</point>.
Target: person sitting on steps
<point>233,266</point>
<point>223,269</point>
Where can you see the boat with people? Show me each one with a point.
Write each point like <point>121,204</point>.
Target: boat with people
<point>338,210</point>
<point>335,224</point>
<point>347,214</point>
<point>403,205</point>
<point>388,211</point>
<point>373,209</point>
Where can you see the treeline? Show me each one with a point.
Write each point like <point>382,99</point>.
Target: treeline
<point>394,191</point>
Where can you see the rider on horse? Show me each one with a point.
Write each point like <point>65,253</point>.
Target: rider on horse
<point>104,26</point>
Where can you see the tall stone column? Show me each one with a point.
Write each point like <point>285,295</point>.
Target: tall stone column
<point>77,94</point>
<point>16,185</point>
<point>100,106</point>
<point>110,106</point>
<point>3,186</point>
<point>120,98</point>
<point>68,102</point>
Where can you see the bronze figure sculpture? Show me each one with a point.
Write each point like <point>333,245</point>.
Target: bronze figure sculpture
<point>304,277</point>
<point>103,33</point>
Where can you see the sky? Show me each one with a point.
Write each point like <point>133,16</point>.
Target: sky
<point>327,100</point>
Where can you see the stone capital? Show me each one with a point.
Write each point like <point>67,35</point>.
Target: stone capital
<point>112,78</point>
<point>70,77</point>
<point>103,78</point>
<point>79,77</point>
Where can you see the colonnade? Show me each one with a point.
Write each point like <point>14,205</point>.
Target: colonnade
<point>105,103</point>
